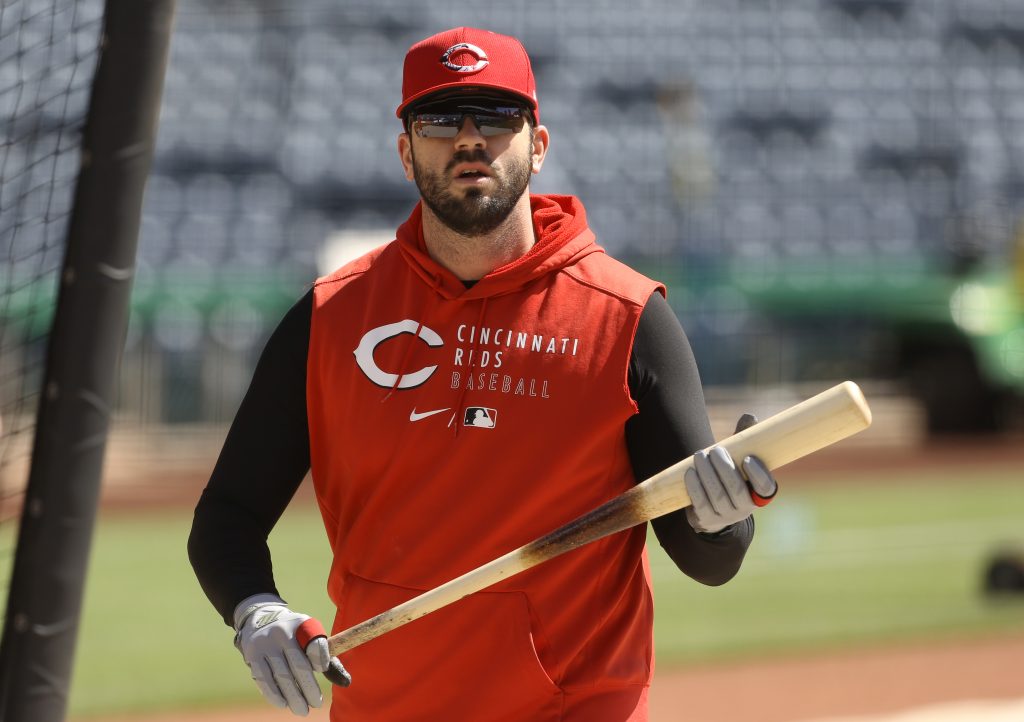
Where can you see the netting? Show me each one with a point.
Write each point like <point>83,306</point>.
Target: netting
<point>48,54</point>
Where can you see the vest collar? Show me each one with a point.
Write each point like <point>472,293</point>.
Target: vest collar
<point>563,237</point>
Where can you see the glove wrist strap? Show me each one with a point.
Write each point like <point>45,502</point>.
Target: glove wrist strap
<point>249,605</point>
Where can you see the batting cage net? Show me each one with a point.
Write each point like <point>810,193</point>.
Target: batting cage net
<point>80,86</point>
<point>48,55</point>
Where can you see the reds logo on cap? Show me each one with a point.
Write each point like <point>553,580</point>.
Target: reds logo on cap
<point>468,58</point>
<point>481,58</point>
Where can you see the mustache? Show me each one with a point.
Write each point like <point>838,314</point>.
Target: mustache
<point>477,155</point>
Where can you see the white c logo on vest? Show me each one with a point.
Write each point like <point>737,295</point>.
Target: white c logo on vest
<point>374,337</point>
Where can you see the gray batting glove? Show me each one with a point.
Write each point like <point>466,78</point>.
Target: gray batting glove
<point>721,493</point>
<point>283,648</point>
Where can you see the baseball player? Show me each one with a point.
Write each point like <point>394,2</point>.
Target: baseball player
<point>481,380</point>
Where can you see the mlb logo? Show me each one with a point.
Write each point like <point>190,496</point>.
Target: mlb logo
<point>480,417</point>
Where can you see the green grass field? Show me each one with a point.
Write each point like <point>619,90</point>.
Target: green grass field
<point>847,562</point>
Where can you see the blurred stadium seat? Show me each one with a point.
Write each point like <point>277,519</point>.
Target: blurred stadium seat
<point>697,133</point>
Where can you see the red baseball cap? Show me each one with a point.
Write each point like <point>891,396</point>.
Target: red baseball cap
<point>468,58</point>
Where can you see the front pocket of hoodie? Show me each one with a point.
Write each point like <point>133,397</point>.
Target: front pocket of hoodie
<point>472,660</point>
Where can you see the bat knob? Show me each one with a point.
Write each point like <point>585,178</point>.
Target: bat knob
<point>337,674</point>
<point>745,422</point>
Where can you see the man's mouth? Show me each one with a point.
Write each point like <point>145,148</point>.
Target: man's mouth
<point>471,171</point>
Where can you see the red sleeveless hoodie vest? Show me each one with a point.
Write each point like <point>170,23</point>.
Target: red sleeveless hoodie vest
<point>449,426</point>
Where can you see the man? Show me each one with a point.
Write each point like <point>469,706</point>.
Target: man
<point>486,377</point>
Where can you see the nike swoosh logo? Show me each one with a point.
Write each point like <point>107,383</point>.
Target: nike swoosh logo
<point>413,416</point>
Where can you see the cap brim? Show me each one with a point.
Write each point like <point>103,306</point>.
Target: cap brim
<point>473,89</point>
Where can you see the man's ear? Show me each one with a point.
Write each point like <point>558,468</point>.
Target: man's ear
<point>541,139</point>
<point>405,154</point>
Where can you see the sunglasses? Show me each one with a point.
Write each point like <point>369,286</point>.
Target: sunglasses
<point>445,121</point>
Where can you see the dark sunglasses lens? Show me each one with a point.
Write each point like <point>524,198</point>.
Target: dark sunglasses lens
<point>436,125</point>
<point>490,121</point>
<point>503,122</point>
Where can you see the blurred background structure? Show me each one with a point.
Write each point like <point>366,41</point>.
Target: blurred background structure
<point>831,188</point>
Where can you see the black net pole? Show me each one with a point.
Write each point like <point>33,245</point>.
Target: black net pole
<point>85,346</point>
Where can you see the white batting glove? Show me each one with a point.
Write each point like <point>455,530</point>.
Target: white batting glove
<point>721,493</point>
<point>283,648</point>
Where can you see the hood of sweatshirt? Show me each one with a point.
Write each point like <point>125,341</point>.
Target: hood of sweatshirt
<point>562,238</point>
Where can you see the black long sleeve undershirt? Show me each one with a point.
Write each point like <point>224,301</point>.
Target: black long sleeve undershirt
<point>266,456</point>
<point>671,424</point>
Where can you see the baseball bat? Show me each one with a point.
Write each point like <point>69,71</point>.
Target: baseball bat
<point>810,425</point>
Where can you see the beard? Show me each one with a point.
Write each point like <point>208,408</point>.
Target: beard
<point>472,212</point>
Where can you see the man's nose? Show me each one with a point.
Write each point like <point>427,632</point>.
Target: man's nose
<point>469,135</point>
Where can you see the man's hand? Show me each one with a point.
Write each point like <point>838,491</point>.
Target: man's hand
<point>721,493</point>
<point>283,649</point>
